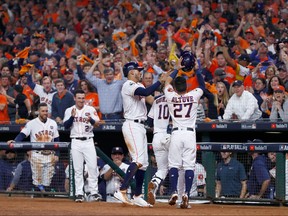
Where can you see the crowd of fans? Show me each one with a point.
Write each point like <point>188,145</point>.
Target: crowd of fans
<point>51,48</point>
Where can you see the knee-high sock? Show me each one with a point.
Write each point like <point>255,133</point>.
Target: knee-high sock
<point>132,169</point>
<point>189,175</point>
<point>173,174</point>
<point>139,176</point>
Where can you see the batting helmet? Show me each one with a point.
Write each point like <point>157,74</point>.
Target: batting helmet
<point>188,61</point>
<point>131,66</point>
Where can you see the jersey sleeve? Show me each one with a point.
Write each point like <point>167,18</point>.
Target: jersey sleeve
<point>169,92</point>
<point>93,114</point>
<point>151,112</point>
<point>67,114</point>
<point>131,88</point>
<point>38,89</point>
<point>27,129</point>
<point>104,169</point>
<point>56,132</point>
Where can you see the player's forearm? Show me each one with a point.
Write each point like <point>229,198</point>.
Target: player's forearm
<point>30,82</point>
<point>148,91</point>
<point>243,189</point>
<point>69,122</point>
<point>21,136</point>
<point>264,187</point>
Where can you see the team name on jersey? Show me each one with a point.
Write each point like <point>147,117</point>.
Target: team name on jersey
<point>182,99</point>
<point>160,100</point>
<point>81,119</point>
<point>45,100</point>
<point>44,132</point>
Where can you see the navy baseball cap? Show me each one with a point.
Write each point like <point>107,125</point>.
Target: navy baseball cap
<point>237,83</point>
<point>116,150</point>
<point>131,66</point>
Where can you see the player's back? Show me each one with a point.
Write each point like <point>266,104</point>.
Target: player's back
<point>183,108</point>
<point>160,114</point>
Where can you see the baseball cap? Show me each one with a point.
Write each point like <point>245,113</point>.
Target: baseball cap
<point>249,30</point>
<point>285,40</point>
<point>117,150</point>
<point>279,88</point>
<point>131,66</point>
<point>68,71</point>
<point>282,67</point>
<point>220,72</point>
<point>264,43</point>
<point>253,64</point>
<point>282,21</point>
<point>10,151</point>
<point>244,57</point>
<point>18,88</point>
<point>237,83</point>
<point>272,33</point>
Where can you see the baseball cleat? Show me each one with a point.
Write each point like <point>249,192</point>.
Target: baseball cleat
<point>122,196</point>
<point>94,198</point>
<point>173,199</point>
<point>151,193</point>
<point>185,202</point>
<point>79,199</point>
<point>139,201</point>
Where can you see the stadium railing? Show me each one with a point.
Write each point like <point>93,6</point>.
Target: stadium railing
<point>207,155</point>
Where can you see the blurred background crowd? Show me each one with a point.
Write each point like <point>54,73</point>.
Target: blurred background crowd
<point>48,49</point>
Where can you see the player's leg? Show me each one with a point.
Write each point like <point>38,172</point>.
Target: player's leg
<point>48,169</point>
<point>37,170</point>
<point>161,155</point>
<point>175,163</point>
<point>78,160</point>
<point>189,160</point>
<point>140,174</point>
<point>90,158</point>
<point>129,134</point>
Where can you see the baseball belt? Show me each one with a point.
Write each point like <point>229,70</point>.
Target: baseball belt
<point>82,138</point>
<point>45,152</point>
<point>188,129</point>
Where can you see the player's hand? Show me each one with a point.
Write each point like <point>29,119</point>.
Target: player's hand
<point>10,141</point>
<point>73,112</point>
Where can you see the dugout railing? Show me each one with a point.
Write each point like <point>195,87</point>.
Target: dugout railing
<point>207,155</point>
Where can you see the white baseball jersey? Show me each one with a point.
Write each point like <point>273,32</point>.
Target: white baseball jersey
<point>159,112</point>
<point>113,184</point>
<point>44,96</point>
<point>134,105</point>
<point>42,166</point>
<point>81,126</point>
<point>183,108</point>
<point>41,132</point>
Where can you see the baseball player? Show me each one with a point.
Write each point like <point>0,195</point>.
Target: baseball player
<point>183,110</point>
<point>113,180</point>
<point>159,117</point>
<point>135,114</point>
<point>41,129</point>
<point>44,91</point>
<point>81,119</point>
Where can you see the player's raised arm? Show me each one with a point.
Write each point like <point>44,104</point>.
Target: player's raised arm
<point>198,70</point>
